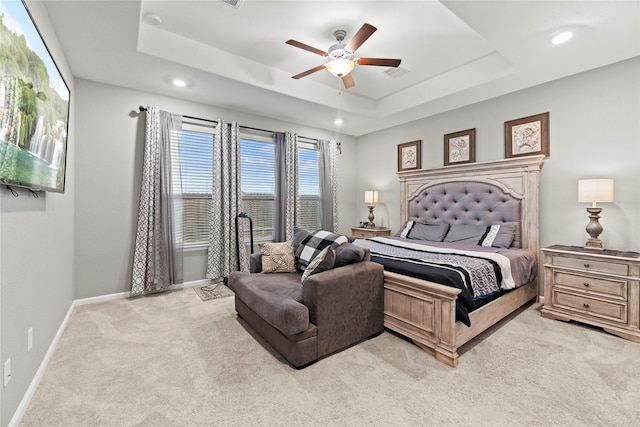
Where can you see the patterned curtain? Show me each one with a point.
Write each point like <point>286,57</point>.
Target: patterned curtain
<point>157,260</point>
<point>328,185</point>
<point>226,204</point>
<point>287,174</point>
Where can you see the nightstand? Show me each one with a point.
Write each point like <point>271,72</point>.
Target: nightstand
<point>597,287</point>
<point>363,233</point>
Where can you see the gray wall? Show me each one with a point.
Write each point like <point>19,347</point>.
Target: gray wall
<point>594,133</point>
<point>36,260</point>
<point>109,154</point>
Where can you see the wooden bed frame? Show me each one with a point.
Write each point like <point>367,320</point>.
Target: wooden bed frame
<point>425,311</point>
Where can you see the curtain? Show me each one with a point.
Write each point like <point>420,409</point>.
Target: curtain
<point>328,184</point>
<point>157,260</point>
<point>288,200</point>
<point>225,242</point>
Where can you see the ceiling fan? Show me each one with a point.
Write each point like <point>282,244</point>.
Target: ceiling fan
<point>342,56</point>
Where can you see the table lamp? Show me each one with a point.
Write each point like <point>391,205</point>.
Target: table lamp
<point>593,191</point>
<point>371,198</point>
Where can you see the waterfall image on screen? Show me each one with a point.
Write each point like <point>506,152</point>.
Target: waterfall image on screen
<point>34,105</point>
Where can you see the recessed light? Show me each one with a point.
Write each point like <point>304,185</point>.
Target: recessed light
<point>179,82</point>
<point>561,37</point>
<point>338,121</point>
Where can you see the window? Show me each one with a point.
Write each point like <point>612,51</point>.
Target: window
<point>308,187</point>
<point>196,162</point>
<point>258,182</point>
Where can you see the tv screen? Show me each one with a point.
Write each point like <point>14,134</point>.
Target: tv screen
<point>34,105</point>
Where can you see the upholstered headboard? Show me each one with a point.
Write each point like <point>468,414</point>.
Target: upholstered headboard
<point>478,193</point>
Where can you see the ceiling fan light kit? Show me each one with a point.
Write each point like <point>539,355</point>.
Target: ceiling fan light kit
<point>341,55</point>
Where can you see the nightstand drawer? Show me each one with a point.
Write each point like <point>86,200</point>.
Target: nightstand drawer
<point>616,312</point>
<point>589,284</point>
<point>591,265</point>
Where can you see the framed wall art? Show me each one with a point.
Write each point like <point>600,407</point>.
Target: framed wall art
<point>527,136</point>
<point>409,155</point>
<point>460,147</point>
<point>34,105</point>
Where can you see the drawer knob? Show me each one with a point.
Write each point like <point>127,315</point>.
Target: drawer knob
<point>586,284</point>
<point>585,305</point>
<point>586,265</point>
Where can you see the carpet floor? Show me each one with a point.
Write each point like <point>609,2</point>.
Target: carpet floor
<point>173,360</point>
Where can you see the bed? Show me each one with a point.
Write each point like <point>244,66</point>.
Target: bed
<point>481,194</point>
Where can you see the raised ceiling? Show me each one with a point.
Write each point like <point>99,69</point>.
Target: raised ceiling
<point>454,52</point>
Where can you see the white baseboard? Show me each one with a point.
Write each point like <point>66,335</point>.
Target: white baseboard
<point>24,403</point>
<point>22,407</point>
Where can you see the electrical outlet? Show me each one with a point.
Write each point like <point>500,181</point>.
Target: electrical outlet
<point>29,339</point>
<point>7,372</point>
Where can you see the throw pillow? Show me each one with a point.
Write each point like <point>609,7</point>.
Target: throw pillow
<point>431,231</point>
<point>314,243</point>
<point>323,262</point>
<point>348,253</point>
<point>500,235</point>
<point>278,258</point>
<point>466,233</point>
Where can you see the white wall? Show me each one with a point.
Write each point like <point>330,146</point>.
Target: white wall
<point>36,263</point>
<point>110,138</point>
<point>594,132</point>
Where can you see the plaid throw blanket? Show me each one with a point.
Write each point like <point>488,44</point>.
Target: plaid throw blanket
<point>314,243</point>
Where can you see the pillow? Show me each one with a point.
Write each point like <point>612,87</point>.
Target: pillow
<point>500,235</point>
<point>433,232</point>
<point>314,243</point>
<point>323,262</point>
<point>466,233</point>
<point>299,235</point>
<point>278,258</point>
<point>348,253</point>
<point>497,236</point>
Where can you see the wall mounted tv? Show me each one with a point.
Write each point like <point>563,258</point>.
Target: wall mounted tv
<point>34,105</point>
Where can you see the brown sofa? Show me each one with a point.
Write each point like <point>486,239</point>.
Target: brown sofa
<point>333,310</point>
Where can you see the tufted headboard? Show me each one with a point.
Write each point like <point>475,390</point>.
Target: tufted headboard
<point>478,193</point>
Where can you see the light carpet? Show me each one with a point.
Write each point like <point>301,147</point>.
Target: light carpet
<point>170,360</point>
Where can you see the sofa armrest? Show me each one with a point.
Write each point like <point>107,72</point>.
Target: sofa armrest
<point>346,304</point>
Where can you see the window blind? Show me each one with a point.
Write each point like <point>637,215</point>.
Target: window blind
<point>308,187</point>
<point>258,178</point>
<point>196,163</point>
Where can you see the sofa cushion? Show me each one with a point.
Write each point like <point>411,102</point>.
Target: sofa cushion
<point>314,243</point>
<point>348,253</point>
<point>276,298</point>
<point>323,262</point>
<point>278,258</point>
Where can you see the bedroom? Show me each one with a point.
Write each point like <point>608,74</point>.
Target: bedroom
<point>74,246</point>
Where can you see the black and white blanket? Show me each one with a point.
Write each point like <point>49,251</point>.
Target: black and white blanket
<point>477,274</point>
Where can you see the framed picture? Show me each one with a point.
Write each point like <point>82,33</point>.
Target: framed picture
<point>34,106</point>
<point>409,155</point>
<point>460,147</point>
<point>527,136</point>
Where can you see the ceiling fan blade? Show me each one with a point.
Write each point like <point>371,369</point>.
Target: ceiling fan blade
<point>307,47</point>
<point>348,81</point>
<point>361,36</point>
<point>382,62</point>
<point>306,73</point>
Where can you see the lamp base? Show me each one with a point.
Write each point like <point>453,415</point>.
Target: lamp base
<point>371,224</point>
<point>594,229</point>
<point>594,244</point>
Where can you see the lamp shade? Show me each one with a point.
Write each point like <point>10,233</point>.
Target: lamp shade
<point>595,190</point>
<point>340,67</point>
<point>370,197</point>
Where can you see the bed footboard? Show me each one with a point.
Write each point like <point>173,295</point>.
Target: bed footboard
<point>425,312</point>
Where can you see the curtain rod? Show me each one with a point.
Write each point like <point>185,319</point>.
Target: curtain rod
<point>243,127</point>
